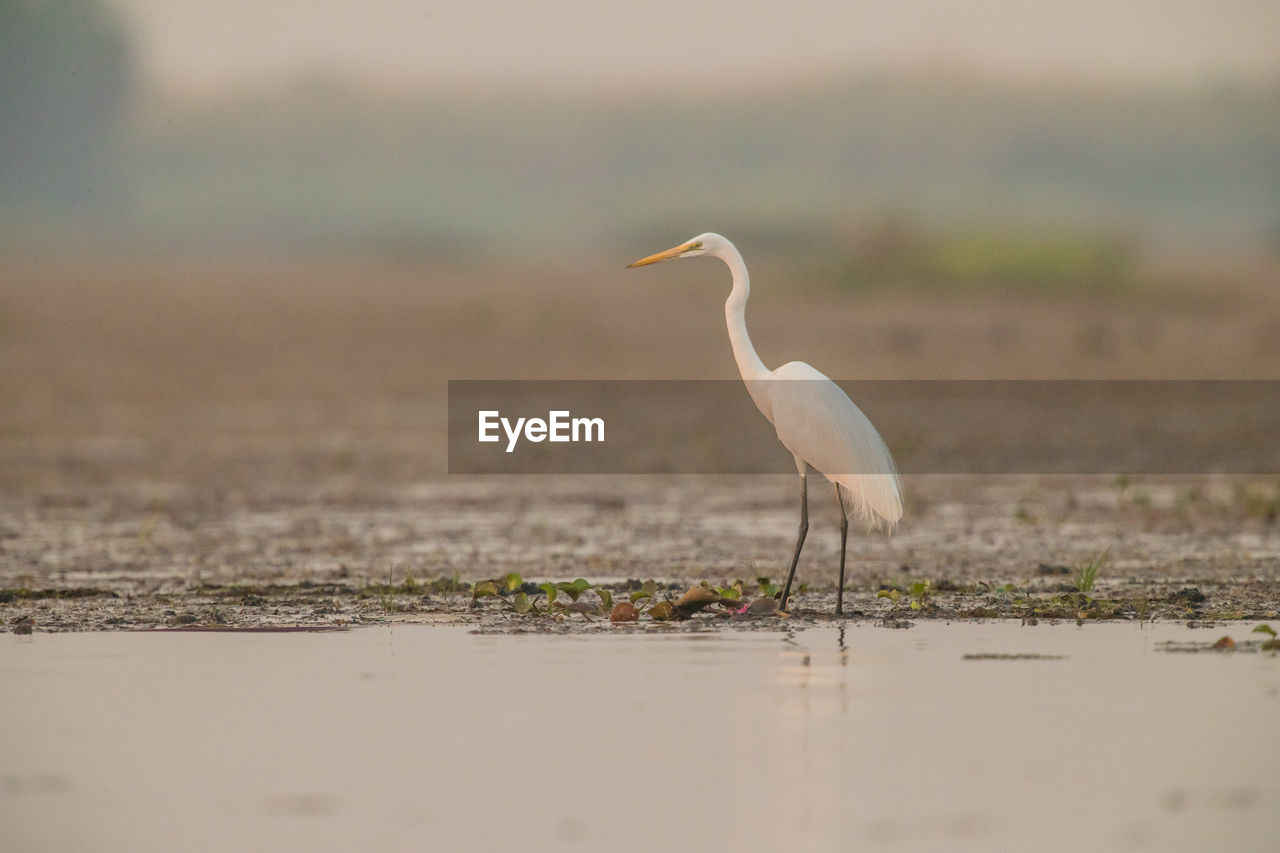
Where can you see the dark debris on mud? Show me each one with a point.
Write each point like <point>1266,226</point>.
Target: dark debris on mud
<point>351,602</point>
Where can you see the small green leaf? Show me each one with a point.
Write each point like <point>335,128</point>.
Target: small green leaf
<point>512,581</point>
<point>730,592</point>
<point>606,599</point>
<point>486,588</point>
<point>650,587</point>
<point>891,594</point>
<point>550,589</point>
<point>521,603</point>
<point>640,595</point>
<point>660,612</point>
<point>915,605</point>
<point>1265,629</point>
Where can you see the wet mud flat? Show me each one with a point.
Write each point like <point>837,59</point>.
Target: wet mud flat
<point>140,555</point>
<point>265,444</point>
<point>334,515</point>
<point>961,736</point>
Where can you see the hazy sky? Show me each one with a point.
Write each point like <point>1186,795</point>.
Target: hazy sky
<point>197,46</point>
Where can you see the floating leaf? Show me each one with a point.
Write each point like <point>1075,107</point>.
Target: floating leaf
<point>650,587</point>
<point>1264,629</point>
<point>606,599</point>
<point>624,611</point>
<point>661,612</point>
<point>574,588</point>
<point>512,581</point>
<point>730,592</point>
<point>551,591</point>
<point>521,603</point>
<point>640,595</point>
<point>695,599</point>
<point>486,588</point>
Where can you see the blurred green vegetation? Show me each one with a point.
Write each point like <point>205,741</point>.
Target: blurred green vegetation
<point>331,167</point>
<point>995,183</point>
<point>897,250</point>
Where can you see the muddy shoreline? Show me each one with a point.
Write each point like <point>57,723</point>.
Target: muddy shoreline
<point>354,603</point>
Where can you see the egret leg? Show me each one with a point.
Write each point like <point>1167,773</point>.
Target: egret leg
<point>844,537</point>
<point>804,528</point>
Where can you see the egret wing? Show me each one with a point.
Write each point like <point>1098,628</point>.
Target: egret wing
<point>816,421</point>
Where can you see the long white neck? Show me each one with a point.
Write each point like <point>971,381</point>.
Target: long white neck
<point>735,315</point>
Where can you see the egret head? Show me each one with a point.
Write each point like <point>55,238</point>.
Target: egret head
<point>703,244</point>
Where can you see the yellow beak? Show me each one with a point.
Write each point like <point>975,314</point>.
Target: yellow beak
<point>664,256</point>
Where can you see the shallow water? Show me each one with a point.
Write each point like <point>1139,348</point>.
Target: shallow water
<point>420,737</point>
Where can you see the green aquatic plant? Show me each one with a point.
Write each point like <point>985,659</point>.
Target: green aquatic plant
<point>511,591</point>
<point>574,588</point>
<point>660,611</point>
<point>1087,573</point>
<point>387,596</point>
<point>733,591</point>
<point>647,590</point>
<point>919,594</point>
<point>1272,644</point>
<point>1141,607</point>
<point>894,595</point>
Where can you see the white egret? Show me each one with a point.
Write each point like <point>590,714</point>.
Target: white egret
<point>813,417</point>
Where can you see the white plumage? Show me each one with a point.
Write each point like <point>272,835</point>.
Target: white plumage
<point>814,418</point>
<point>819,424</point>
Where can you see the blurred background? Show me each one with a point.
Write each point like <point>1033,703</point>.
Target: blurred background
<point>247,243</point>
